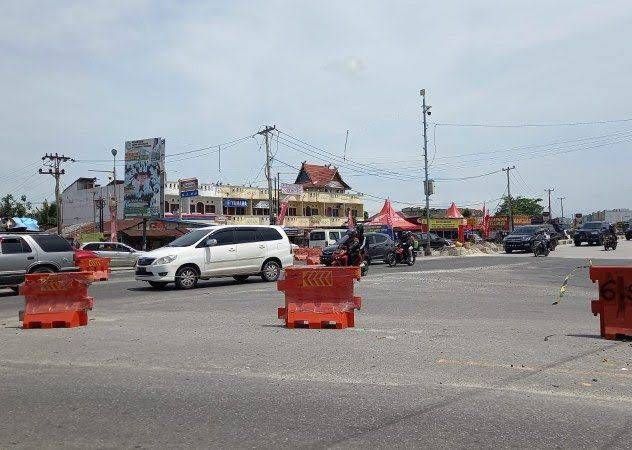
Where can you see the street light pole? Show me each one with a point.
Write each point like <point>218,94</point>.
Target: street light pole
<point>113,202</point>
<point>426,111</point>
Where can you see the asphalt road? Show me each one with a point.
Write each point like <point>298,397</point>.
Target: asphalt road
<point>453,352</point>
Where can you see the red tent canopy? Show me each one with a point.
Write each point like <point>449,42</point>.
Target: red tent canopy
<point>389,217</point>
<point>453,212</point>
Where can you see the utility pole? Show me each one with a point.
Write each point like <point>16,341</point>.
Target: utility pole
<point>426,112</point>
<point>549,192</point>
<point>511,220</point>
<point>54,169</point>
<point>113,203</point>
<point>344,156</point>
<point>561,199</point>
<point>265,132</point>
<point>278,194</point>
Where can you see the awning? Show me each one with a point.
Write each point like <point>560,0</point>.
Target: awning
<point>262,205</point>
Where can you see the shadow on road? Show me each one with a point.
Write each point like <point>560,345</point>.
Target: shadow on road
<point>201,284</point>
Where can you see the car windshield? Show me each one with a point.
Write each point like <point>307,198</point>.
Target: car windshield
<point>192,237</point>
<point>525,230</point>
<point>591,226</point>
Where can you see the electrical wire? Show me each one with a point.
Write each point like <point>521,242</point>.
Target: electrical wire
<point>530,125</point>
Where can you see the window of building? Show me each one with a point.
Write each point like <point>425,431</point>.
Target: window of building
<point>199,207</point>
<point>166,206</point>
<point>209,209</point>
<point>173,208</point>
<point>192,208</point>
<point>232,211</point>
<point>309,211</point>
<point>354,213</point>
<point>291,211</point>
<point>260,211</point>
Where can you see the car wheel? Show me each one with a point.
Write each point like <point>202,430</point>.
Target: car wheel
<point>186,278</point>
<point>577,243</point>
<point>270,271</point>
<point>157,284</point>
<point>391,260</point>
<point>508,250</point>
<point>240,278</point>
<point>43,270</point>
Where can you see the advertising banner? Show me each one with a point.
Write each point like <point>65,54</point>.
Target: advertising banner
<point>188,185</point>
<point>144,178</point>
<point>291,189</point>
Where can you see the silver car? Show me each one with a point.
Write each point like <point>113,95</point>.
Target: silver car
<point>121,255</point>
<point>24,252</point>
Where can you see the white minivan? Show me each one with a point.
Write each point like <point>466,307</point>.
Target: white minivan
<point>324,238</point>
<point>219,251</point>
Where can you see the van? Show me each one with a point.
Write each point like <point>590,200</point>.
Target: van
<point>219,251</point>
<point>324,238</point>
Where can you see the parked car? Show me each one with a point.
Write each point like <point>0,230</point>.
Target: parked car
<point>324,238</point>
<point>628,232</point>
<point>219,251</point>
<point>378,246</point>
<point>521,238</point>
<point>121,255</point>
<point>34,252</point>
<point>592,233</point>
<point>436,241</point>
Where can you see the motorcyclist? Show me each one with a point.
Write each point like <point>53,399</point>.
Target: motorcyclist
<point>352,245</point>
<point>543,235</point>
<point>406,241</point>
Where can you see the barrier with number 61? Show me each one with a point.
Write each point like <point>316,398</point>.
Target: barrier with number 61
<point>615,300</point>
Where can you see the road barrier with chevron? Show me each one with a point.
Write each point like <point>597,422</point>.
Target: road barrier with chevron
<point>319,297</point>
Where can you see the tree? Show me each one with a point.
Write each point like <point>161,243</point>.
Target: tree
<point>467,213</point>
<point>521,206</point>
<point>46,215</point>
<point>10,207</point>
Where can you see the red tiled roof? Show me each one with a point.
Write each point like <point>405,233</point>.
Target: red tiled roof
<point>321,176</point>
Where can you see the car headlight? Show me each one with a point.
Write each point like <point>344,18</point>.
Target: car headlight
<point>165,260</point>
<point>594,232</point>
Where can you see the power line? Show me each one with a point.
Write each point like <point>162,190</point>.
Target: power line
<point>531,125</point>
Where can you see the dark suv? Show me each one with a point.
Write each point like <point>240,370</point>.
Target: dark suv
<point>521,238</point>
<point>592,233</point>
<point>378,246</point>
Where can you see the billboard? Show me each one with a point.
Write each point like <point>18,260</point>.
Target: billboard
<point>144,178</point>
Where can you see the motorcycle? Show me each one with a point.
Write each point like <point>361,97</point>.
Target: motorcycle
<point>397,256</point>
<point>610,242</point>
<point>541,247</point>
<point>340,258</point>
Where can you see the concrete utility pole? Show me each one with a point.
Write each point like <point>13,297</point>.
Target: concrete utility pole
<point>426,112</point>
<point>54,169</point>
<point>549,191</point>
<point>561,199</point>
<point>511,220</point>
<point>265,132</point>
<point>344,155</point>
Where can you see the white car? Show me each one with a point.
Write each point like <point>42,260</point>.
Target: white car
<point>121,255</point>
<point>219,251</point>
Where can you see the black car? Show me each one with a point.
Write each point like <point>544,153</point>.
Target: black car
<point>436,241</point>
<point>377,244</point>
<point>592,233</point>
<point>521,238</point>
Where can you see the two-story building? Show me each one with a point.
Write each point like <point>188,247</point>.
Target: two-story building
<point>324,201</point>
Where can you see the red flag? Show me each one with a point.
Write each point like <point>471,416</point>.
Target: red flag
<point>282,212</point>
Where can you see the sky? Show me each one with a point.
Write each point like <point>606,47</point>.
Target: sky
<point>550,82</point>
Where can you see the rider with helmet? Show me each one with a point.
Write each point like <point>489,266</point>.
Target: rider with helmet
<point>406,241</point>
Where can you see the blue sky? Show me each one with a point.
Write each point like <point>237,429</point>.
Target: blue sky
<point>82,77</point>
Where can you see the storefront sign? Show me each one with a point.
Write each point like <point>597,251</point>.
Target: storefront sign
<point>235,203</point>
<point>442,224</point>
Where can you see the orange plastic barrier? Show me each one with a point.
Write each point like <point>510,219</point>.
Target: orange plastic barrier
<point>319,297</point>
<point>99,268</point>
<point>615,300</point>
<point>300,254</point>
<point>56,300</point>
<point>313,260</point>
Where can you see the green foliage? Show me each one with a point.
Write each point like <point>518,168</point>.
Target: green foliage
<point>46,215</point>
<point>467,213</point>
<point>521,206</point>
<point>12,207</point>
